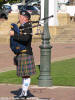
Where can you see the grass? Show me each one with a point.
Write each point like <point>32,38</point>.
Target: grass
<point>11,77</point>
<point>62,72</point>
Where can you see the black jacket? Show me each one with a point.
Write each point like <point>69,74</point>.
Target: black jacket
<point>25,37</point>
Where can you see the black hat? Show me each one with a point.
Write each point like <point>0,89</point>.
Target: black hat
<point>25,13</point>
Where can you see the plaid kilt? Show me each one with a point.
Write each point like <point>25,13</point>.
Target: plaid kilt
<point>26,65</point>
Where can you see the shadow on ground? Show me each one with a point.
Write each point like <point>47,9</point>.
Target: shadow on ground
<point>18,92</point>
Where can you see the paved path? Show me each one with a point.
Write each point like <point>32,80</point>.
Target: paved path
<point>58,52</point>
<point>9,92</point>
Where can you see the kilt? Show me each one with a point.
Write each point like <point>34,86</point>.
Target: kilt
<point>26,65</point>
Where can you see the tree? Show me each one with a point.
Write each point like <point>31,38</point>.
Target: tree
<point>2,2</point>
<point>10,1</point>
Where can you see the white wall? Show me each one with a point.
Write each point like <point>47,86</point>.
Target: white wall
<point>42,10</point>
<point>62,1</point>
<point>52,11</point>
<point>71,10</point>
<point>67,9</point>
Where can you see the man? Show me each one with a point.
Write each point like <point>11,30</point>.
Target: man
<point>26,66</point>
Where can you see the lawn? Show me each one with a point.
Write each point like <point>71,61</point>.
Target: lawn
<point>62,72</point>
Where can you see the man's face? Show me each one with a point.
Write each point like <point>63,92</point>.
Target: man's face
<point>23,19</point>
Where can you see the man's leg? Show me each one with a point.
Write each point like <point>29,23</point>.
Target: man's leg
<point>25,84</point>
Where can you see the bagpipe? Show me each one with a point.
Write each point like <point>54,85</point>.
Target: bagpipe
<point>16,46</point>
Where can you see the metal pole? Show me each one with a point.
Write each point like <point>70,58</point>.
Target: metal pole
<point>45,54</point>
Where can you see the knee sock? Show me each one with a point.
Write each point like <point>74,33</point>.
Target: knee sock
<point>25,85</point>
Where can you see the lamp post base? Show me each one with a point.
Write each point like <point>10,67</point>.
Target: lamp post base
<point>45,77</point>
<point>45,82</point>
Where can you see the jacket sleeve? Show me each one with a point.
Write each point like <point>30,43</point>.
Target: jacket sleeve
<point>22,37</point>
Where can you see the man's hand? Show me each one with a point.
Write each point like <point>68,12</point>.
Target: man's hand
<point>11,33</point>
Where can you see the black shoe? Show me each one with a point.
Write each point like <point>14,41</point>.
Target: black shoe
<point>21,96</point>
<point>26,97</point>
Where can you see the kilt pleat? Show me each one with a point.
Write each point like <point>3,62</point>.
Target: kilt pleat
<point>26,65</point>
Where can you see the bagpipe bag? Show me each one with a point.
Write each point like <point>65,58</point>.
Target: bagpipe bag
<point>15,46</point>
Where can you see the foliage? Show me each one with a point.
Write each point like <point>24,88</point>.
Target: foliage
<point>10,1</point>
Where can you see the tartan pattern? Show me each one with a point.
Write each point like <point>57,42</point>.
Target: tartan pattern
<point>26,65</point>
